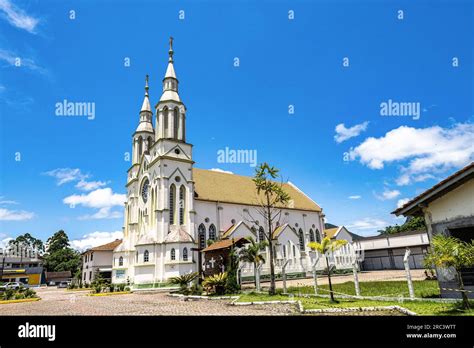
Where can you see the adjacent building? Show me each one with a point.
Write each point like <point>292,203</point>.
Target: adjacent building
<point>26,270</point>
<point>387,251</point>
<point>448,208</point>
<point>98,260</point>
<point>341,233</point>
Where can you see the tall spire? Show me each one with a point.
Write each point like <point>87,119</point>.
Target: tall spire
<point>170,52</point>
<point>170,70</point>
<point>146,100</point>
<point>170,82</point>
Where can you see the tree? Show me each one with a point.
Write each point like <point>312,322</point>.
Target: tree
<point>325,248</point>
<point>27,245</point>
<point>411,224</point>
<point>271,197</point>
<point>60,256</point>
<point>252,253</point>
<point>232,285</point>
<point>450,252</point>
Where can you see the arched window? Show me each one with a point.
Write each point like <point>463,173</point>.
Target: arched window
<point>120,261</point>
<point>165,120</point>
<point>294,251</point>
<point>202,236</point>
<point>301,235</point>
<point>140,146</point>
<point>172,203</point>
<point>146,256</point>
<point>136,256</point>
<point>311,235</point>
<point>173,254</point>
<point>318,237</point>
<point>149,143</point>
<point>212,232</point>
<point>284,251</point>
<point>185,254</point>
<point>176,122</point>
<point>182,204</point>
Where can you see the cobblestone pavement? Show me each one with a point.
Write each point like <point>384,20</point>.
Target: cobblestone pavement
<point>385,275</point>
<point>62,302</point>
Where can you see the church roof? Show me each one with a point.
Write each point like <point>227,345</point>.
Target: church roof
<point>107,247</point>
<point>231,188</point>
<point>178,235</point>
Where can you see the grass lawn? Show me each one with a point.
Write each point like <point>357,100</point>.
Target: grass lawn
<point>419,307</point>
<point>423,288</point>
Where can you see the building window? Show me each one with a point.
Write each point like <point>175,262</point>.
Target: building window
<point>165,120</point>
<point>85,276</point>
<point>173,254</point>
<point>212,232</point>
<point>90,275</point>
<point>202,236</point>
<point>318,238</point>
<point>176,123</point>
<point>301,235</point>
<point>294,251</point>
<point>284,251</point>
<point>172,203</point>
<point>185,254</point>
<point>92,256</point>
<point>311,235</point>
<point>182,204</point>
<point>120,261</point>
<point>146,256</point>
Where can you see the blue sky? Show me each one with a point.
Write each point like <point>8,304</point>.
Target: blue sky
<point>336,146</point>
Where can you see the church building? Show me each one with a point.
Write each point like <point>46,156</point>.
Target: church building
<point>173,209</point>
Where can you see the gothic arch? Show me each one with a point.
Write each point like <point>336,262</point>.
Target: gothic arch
<point>301,237</point>
<point>182,204</point>
<point>166,122</point>
<point>311,235</point>
<point>212,232</point>
<point>176,122</point>
<point>202,236</point>
<point>172,203</point>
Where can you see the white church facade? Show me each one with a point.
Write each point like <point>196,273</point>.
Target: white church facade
<point>173,209</point>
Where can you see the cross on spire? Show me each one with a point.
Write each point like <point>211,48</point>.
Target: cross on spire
<point>171,49</point>
<point>146,85</point>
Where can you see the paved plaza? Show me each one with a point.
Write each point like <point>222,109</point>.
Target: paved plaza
<point>56,301</point>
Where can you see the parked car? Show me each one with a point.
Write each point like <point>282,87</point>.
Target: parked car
<point>13,285</point>
<point>63,284</point>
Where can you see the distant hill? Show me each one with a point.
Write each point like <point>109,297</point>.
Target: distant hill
<point>328,226</point>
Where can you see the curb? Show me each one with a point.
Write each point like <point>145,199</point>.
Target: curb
<point>34,299</point>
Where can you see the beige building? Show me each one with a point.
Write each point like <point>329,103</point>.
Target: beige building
<point>98,259</point>
<point>448,208</point>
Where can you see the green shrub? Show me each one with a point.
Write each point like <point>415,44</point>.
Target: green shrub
<point>127,288</point>
<point>19,296</point>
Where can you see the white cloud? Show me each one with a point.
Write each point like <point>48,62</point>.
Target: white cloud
<point>355,197</point>
<point>94,239</point>
<point>15,215</point>
<point>367,224</point>
<point>100,198</point>
<point>5,202</point>
<point>422,150</point>
<point>89,185</point>
<point>343,133</point>
<point>388,194</point>
<point>65,175</point>
<point>402,202</point>
<point>17,61</point>
<point>221,170</point>
<point>17,17</point>
<point>4,242</point>
<point>102,213</point>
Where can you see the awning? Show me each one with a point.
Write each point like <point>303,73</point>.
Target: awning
<point>105,269</point>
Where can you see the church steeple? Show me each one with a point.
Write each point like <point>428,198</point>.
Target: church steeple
<point>170,111</point>
<point>144,135</point>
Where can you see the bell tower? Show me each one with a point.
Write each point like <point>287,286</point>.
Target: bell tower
<point>144,135</point>
<point>170,111</point>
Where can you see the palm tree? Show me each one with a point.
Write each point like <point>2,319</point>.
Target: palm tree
<point>450,252</point>
<point>326,247</point>
<point>252,253</point>
<point>183,280</point>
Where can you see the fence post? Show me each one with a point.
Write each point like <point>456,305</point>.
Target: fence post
<point>356,277</point>
<point>407,270</point>
<point>283,275</point>
<point>257,276</point>
<point>315,275</point>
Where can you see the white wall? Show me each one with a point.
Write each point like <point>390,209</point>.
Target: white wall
<point>455,204</point>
